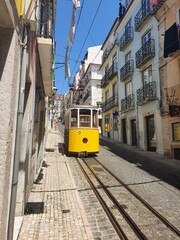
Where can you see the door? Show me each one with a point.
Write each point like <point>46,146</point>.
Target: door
<point>151,134</point>
<point>124,134</point>
<point>107,125</point>
<point>133,132</point>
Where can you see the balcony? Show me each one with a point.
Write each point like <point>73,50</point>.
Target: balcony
<point>111,102</point>
<point>146,93</point>
<point>110,73</point>
<point>142,15</point>
<point>104,80</point>
<point>109,48</point>
<point>158,5</point>
<point>145,53</point>
<point>127,103</point>
<point>45,42</point>
<point>127,70</point>
<point>126,38</point>
<point>45,47</point>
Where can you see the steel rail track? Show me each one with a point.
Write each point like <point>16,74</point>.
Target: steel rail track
<point>113,220</point>
<point>149,207</point>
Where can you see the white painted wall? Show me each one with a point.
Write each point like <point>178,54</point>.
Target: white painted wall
<point>151,107</point>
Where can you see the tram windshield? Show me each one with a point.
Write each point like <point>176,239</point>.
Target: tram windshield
<point>85,118</point>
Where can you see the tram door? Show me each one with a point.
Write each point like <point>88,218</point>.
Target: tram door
<point>151,134</point>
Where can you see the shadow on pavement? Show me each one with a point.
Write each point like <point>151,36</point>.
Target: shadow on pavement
<point>166,171</point>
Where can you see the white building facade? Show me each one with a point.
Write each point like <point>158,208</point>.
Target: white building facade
<point>109,84</point>
<point>139,87</point>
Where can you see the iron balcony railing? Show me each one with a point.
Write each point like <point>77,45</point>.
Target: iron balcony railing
<point>109,48</point>
<point>146,93</point>
<point>104,79</point>
<point>158,4</point>
<point>110,73</point>
<point>126,37</point>
<point>46,19</point>
<point>112,70</point>
<point>111,102</point>
<point>142,14</point>
<point>127,70</point>
<point>146,52</point>
<point>127,103</point>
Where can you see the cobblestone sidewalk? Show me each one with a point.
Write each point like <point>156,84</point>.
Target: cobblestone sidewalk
<point>54,210</point>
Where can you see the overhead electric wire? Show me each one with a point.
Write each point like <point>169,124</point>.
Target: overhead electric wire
<point>87,34</point>
<point>77,60</point>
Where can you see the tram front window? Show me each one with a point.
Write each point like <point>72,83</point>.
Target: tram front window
<point>85,118</point>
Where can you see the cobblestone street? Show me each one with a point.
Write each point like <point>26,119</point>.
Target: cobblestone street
<point>63,207</point>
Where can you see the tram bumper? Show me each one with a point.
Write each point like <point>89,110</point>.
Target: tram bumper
<point>83,154</point>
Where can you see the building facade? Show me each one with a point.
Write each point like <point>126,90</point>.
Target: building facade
<point>148,94</point>
<point>109,84</point>
<point>139,88</point>
<point>168,16</point>
<point>26,84</point>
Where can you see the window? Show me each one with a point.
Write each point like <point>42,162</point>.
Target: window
<point>114,63</point>
<point>128,88</point>
<point>128,57</point>
<point>85,118</point>
<point>147,75</point>
<point>114,89</point>
<point>128,25</point>
<point>114,60</point>
<point>146,37</point>
<point>74,114</point>
<point>176,131</point>
<point>145,7</point>
<point>106,95</point>
<point>106,69</point>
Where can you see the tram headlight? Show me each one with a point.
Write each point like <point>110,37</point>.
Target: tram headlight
<point>85,140</point>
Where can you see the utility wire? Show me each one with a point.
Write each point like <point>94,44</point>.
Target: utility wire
<point>87,34</point>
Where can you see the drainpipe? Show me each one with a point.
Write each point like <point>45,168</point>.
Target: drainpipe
<point>18,135</point>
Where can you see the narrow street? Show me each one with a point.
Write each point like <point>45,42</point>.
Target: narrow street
<point>63,206</point>
<point>89,120</point>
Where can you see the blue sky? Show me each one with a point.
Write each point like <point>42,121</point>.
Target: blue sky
<point>103,21</point>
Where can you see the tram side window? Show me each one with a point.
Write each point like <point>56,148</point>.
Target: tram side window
<point>94,119</point>
<point>85,118</point>
<point>73,118</point>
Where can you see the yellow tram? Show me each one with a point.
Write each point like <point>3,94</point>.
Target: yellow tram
<point>81,134</point>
